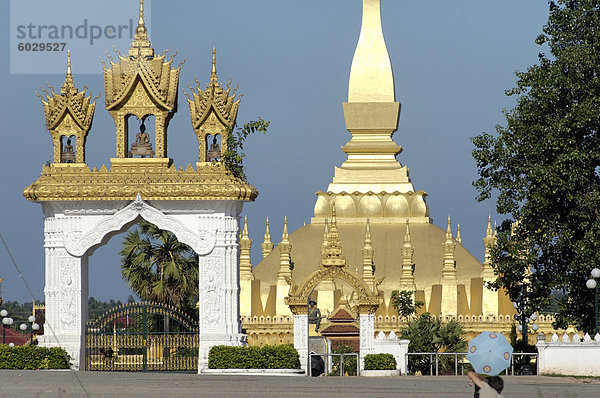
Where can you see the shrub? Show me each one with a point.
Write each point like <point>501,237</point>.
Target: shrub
<point>266,357</point>
<point>380,362</point>
<point>32,357</point>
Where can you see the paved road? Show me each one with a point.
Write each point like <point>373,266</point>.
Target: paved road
<point>15,383</point>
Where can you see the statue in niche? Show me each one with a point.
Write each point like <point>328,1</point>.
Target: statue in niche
<point>314,315</point>
<point>68,154</point>
<point>142,146</point>
<point>214,154</point>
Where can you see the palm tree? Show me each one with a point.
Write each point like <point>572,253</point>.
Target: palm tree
<point>159,268</point>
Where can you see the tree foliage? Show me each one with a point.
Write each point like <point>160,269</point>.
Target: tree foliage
<point>159,268</point>
<point>543,166</point>
<point>233,157</point>
<point>427,334</point>
<point>403,303</point>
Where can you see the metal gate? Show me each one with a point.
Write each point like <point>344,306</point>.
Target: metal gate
<point>142,337</point>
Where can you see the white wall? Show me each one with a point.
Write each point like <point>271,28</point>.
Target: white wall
<point>392,345</point>
<point>574,357</point>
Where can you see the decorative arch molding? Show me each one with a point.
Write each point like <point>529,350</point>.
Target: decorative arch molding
<point>202,243</point>
<point>368,299</point>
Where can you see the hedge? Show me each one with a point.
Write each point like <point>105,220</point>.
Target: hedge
<point>266,357</point>
<point>380,362</point>
<point>33,357</point>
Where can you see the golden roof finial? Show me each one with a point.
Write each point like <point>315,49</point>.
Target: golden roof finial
<point>213,72</point>
<point>267,245</point>
<point>285,235</point>
<point>458,237</point>
<point>245,230</point>
<point>371,77</point>
<point>368,271</point>
<point>245,259</point>
<point>407,280</point>
<point>141,28</point>
<point>140,47</point>
<point>489,232</point>
<point>449,231</point>
<point>407,236</point>
<point>495,229</point>
<point>68,85</point>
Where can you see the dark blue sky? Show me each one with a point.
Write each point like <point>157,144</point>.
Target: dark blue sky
<point>452,63</point>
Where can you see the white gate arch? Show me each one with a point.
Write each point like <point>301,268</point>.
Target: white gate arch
<point>85,207</point>
<point>74,229</point>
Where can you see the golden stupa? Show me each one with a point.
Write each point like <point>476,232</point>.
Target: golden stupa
<point>385,230</point>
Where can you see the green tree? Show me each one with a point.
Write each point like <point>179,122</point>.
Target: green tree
<point>403,303</point>
<point>233,157</point>
<point>543,167</point>
<point>159,268</point>
<point>427,334</point>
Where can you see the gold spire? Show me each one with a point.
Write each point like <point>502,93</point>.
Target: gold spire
<point>371,77</point>
<point>488,241</point>
<point>332,253</point>
<point>267,245</point>
<point>284,236</point>
<point>213,72</point>
<point>368,271</point>
<point>458,237</point>
<point>449,267</point>
<point>285,250</point>
<point>245,260</point>
<point>141,28</point>
<point>141,47</point>
<point>407,279</point>
<point>325,239</point>
<point>68,86</point>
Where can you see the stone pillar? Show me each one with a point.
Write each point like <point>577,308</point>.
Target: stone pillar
<point>367,337</point>
<point>219,311</point>
<point>301,339</point>
<point>66,296</point>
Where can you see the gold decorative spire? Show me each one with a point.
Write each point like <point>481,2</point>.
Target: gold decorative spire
<point>407,279</point>
<point>68,114</point>
<point>245,260</point>
<point>267,245</point>
<point>449,267</point>
<point>332,254</point>
<point>368,271</point>
<point>458,237</point>
<point>488,241</point>
<point>285,250</point>
<point>325,239</point>
<point>371,77</point>
<point>141,47</point>
<point>213,72</point>
<point>68,85</point>
<point>213,111</point>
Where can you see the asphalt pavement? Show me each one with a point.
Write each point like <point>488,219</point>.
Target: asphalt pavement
<point>31,383</point>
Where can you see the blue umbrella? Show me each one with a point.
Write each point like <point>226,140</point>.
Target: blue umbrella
<point>489,353</point>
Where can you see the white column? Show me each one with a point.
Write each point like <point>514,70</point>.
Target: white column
<point>66,295</point>
<point>367,337</point>
<point>219,289</point>
<point>301,339</point>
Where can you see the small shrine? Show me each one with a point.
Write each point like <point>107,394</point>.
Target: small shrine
<point>342,329</point>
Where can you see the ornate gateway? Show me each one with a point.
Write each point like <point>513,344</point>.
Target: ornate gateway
<point>142,337</point>
<point>84,207</point>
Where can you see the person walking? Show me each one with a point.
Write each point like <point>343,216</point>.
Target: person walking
<point>490,387</point>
